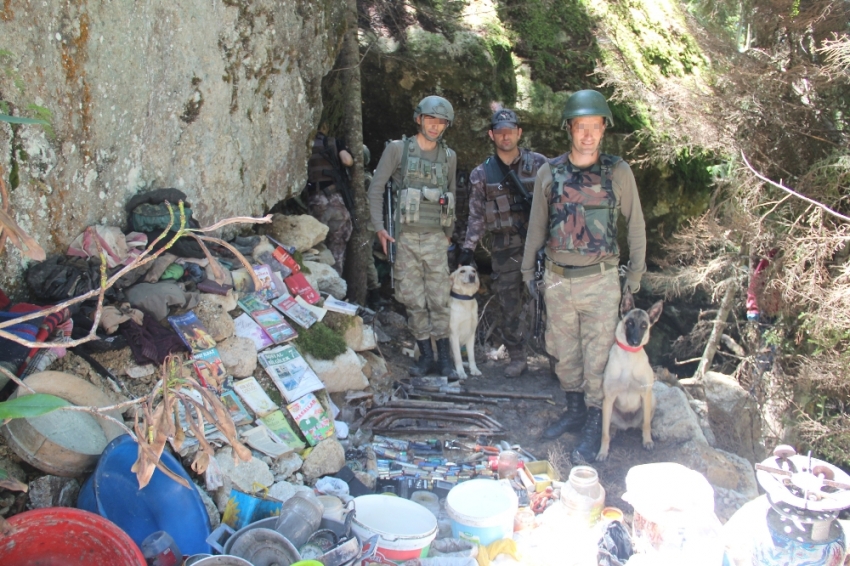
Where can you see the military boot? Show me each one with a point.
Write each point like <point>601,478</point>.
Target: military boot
<point>374,300</point>
<point>425,364</point>
<point>573,418</point>
<point>518,362</point>
<point>447,366</point>
<point>591,438</point>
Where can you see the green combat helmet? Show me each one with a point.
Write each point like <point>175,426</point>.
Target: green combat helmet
<point>435,106</point>
<point>586,103</point>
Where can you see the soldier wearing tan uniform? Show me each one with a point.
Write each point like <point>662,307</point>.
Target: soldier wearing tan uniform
<point>577,199</point>
<point>423,171</point>
<point>497,206</point>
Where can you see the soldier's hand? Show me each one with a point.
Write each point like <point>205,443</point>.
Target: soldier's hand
<point>533,290</point>
<point>465,257</point>
<point>385,237</point>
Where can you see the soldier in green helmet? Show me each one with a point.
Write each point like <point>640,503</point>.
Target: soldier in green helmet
<point>423,170</point>
<point>578,197</point>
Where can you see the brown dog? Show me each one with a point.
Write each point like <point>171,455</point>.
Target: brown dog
<point>627,381</point>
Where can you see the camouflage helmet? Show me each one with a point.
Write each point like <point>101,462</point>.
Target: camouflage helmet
<point>367,155</point>
<point>586,103</point>
<point>435,106</point>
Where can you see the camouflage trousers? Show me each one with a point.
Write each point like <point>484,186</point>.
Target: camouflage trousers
<point>422,283</point>
<point>331,211</point>
<point>582,315</point>
<point>509,290</point>
<point>372,281</point>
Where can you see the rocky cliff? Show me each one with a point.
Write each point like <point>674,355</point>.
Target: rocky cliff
<point>218,99</point>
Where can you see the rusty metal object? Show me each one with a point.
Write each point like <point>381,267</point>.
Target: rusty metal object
<point>389,420</point>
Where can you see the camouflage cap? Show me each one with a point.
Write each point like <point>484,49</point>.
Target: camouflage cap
<point>504,118</point>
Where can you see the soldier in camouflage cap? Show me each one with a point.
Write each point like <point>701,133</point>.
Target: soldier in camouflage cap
<point>498,207</point>
<point>578,197</point>
<point>423,171</point>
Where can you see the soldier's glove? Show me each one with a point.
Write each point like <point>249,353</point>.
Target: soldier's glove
<point>533,289</point>
<point>465,257</point>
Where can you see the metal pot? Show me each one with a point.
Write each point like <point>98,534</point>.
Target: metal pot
<point>223,560</point>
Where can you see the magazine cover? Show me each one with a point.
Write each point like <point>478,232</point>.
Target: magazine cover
<point>192,332</point>
<point>333,304</point>
<point>252,393</point>
<point>246,327</point>
<point>260,438</point>
<point>311,418</point>
<point>268,289</point>
<point>235,407</point>
<point>210,369</point>
<point>298,285</point>
<point>278,424</point>
<point>275,325</point>
<point>251,302</point>
<point>290,372</point>
<point>301,316</point>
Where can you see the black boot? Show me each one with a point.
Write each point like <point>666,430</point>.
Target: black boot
<point>573,418</point>
<point>447,367</point>
<point>374,300</point>
<point>591,438</point>
<point>425,364</point>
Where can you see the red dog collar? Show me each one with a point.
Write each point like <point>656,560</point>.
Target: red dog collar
<point>627,347</point>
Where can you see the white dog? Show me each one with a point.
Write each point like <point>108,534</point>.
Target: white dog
<point>464,317</point>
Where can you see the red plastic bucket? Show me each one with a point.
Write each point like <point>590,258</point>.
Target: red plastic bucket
<point>62,536</point>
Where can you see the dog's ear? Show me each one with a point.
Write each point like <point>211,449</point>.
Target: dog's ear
<point>453,275</point>
<point>654,312</point>
<point>627,303</point>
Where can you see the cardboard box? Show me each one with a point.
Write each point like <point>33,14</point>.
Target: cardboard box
<point>544,474</point>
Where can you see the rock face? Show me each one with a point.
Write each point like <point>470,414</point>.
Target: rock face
<point>246,474</point>
<point>360,337</point>
<point>53,491</point>
<point>214,317</point>
<point>734,417</point>
<point>327,457</point>
<point>299,231</point>
<point>340,374</point>
<point>325,278</point>
<point>731,476</point>
<point>218,100</point>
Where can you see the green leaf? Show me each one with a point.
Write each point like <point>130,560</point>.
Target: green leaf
<point>22,120</point>
<point>30,406</point>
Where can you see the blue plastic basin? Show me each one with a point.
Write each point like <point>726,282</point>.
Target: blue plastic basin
<point>112,491</point>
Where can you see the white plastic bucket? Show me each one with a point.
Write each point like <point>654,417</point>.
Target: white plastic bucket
<point>482,511</point>
<point>405,528</point>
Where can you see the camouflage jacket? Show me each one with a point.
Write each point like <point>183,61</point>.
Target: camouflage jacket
<point>525,165</point>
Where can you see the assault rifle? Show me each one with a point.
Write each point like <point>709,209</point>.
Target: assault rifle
<point>389,223</point>
<point>513,179</point>
<point>539,306</point>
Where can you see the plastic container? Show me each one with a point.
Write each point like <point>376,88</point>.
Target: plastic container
<point>299,518</point>
<point>508,464</point>
<point>70,537</point>
<point>583,496</point>
<point>405,529</point>
<point>160,549</point>
<point>333,508</point>
<point>482,511</point>
<point>428,500</point>
<point>112,491</point>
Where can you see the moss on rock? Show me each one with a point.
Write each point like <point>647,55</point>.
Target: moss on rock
<point>320,342</point>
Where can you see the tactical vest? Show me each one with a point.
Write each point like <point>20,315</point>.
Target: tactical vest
<point>583,208</point>
<point>319,166</point>
<point>423,199</point>
<point>505,210</point>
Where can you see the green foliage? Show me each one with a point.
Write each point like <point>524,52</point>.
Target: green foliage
<point>555,37</point>
<point>28,406</point>
<point>320,342</point>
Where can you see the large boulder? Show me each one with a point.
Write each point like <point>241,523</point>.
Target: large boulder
<point>286,465</point>
<point>239,356</point>
<point>734,416</point>
<point>327,457</point>
<point>373,366</point>
<point>343,373</point>
<point>326,279</point>
<point>300,231</point>
<point>674,419</point>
